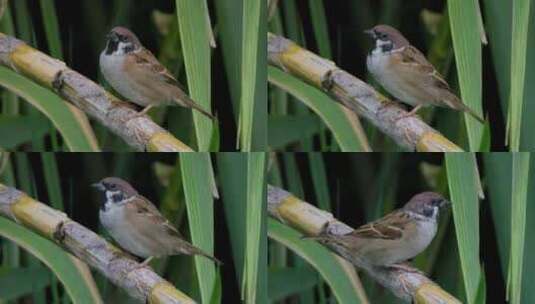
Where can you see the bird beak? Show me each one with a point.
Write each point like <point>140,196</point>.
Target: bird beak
<point>98,186</point>
<point>370,33</point>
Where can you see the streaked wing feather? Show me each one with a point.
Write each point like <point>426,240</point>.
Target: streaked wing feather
<point>415,60</point>
<point>389,227</point>
<point>146,61</point>
<point>151,215</point>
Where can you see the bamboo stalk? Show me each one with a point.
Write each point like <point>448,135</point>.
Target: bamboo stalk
<point>405,284</point>
<point>119,267</point>
<point>138,131</point>
<point>407,131</point>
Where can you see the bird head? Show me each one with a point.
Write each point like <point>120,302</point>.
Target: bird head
<point>426,204</point>
<point>121,40</point>
<point>387,38</point>
<point>116,191</point>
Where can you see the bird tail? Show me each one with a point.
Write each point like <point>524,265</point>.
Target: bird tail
<point>192,250</point>
<point>186,101</point>
<point>457,104</point>
<point>472,113</point>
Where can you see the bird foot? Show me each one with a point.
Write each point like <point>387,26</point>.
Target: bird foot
<point>411,113</point>
<point>405,267</point>
<point>141,265</point>
<point>143,112</point>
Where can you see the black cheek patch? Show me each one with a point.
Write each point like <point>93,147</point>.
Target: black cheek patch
<point>117,197</point>
<point>387,47</point>
<point>428,212</point>
<point>129,48</point>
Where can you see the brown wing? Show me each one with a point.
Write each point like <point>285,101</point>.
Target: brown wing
<point>148,214</point>
<point>389,227</point>
<point>413,59</point>
<point>148,64</point>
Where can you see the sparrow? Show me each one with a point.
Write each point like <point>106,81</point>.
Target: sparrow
<point>406,74</point>
<point>135,73</point>
<point>137,225</point>
<point>397,237</point>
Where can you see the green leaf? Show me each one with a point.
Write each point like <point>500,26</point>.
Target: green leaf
<point>255,267</point>
<point>51,174</point>
<point>50,21</point>
<point>253,69</point>
<point>27,128</point>
<point>319,179</point>
<point>327,264</point>
<point>196,175</point>
<point>321,33</point>
<point>466,36</point>
<point>195,38</point>
<point>78,284</point>
<point>519,52</point>
<point>232,178</point>
<point>284,282</point>
<point>328,110</point>
<point>463,182</point>
<point>18,282</point>
<point>74,132</point>
<point>287,129</point>
<point>518,224</point>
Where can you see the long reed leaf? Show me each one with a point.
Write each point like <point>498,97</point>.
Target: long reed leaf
<point>195,168</point>
<point>74,275</point>
<point>347,136</point>
<point>326,263</point>
<point>466,35</point>
<point>50,21</point>
<point>519,193</point>
<point>194,35</point>
<point>76,132</point>
<point>255,268</point>
<point>463,182</point>
<point>519,50</point>
<point>253,68</point>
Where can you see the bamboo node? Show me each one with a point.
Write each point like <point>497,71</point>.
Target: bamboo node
<point>163,141</point>
<point>434,142</point>
<point>293,210</point>
<point>39,217</point>
<point>163,292</point>
<point>430,293</point>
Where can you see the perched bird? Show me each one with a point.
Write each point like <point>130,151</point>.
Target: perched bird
<point>135,73</point>
<point>137,225</point>
<point>395,238</point>
<point>406,74</point>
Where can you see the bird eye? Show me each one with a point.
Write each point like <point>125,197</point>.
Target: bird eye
<point>112,186</point>
<point>383,36</point>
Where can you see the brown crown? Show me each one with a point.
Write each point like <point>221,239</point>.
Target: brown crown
<point>394,35</point>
